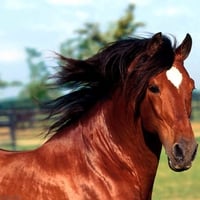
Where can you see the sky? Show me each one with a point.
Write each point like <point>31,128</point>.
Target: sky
<point>44,24</point>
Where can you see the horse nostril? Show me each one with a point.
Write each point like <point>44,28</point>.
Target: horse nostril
<point>178,152</point>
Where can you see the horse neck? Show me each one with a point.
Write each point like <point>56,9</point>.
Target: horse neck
<point>110,126</point>
<point>126,134</point>
<point>107,134</point>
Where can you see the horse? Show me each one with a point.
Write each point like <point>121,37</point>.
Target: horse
<point>107,131</point>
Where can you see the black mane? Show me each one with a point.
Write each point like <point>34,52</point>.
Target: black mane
<point>97,77</point>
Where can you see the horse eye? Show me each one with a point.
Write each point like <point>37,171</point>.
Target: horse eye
<point>154,88</point>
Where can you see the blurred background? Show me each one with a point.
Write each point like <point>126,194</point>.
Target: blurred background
<point>30,33</point>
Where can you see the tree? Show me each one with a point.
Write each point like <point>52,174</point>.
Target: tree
<point>90,38</point>
<point>36,88</point>
<point>3,84</point>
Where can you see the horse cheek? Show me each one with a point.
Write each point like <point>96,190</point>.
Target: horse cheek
<point>151,113</point>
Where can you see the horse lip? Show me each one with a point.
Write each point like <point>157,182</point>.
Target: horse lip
<point>178,168</point>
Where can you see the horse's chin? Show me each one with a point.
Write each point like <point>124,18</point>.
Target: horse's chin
<point>176,167</point>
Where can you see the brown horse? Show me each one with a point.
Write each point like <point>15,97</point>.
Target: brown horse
<point>124,103</point>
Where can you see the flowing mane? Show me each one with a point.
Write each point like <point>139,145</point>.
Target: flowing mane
<point>95,78</point>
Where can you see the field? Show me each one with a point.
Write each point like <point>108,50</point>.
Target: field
<point>168,184</point>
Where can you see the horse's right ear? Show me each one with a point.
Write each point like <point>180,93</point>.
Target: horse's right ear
<point>154,44</point>
<point>184,48</point>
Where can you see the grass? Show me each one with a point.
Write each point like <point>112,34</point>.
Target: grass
<point>26,139</point>
<point>168,184</point>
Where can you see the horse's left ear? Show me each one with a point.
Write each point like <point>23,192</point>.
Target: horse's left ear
<point>184,48</point>
<point>154,44</point>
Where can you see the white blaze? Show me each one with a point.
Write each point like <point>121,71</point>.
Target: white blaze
<point>174,76</point>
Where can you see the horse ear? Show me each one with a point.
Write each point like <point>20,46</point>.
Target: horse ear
<point>184,48</point>
<point>154,44</point>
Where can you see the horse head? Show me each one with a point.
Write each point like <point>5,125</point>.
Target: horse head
<point>166,108</point>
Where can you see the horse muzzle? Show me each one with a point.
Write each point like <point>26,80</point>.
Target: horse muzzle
<point>181,158</point>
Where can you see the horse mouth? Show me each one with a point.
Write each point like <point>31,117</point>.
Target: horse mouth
<point>178,167</point>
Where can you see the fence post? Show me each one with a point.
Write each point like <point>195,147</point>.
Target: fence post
<point>12,130</point>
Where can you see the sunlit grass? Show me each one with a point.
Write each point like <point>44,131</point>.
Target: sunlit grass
<point>26,139</point>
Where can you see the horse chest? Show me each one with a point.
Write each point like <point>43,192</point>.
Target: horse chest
<point>104,186</point>
<point>98,191</point>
